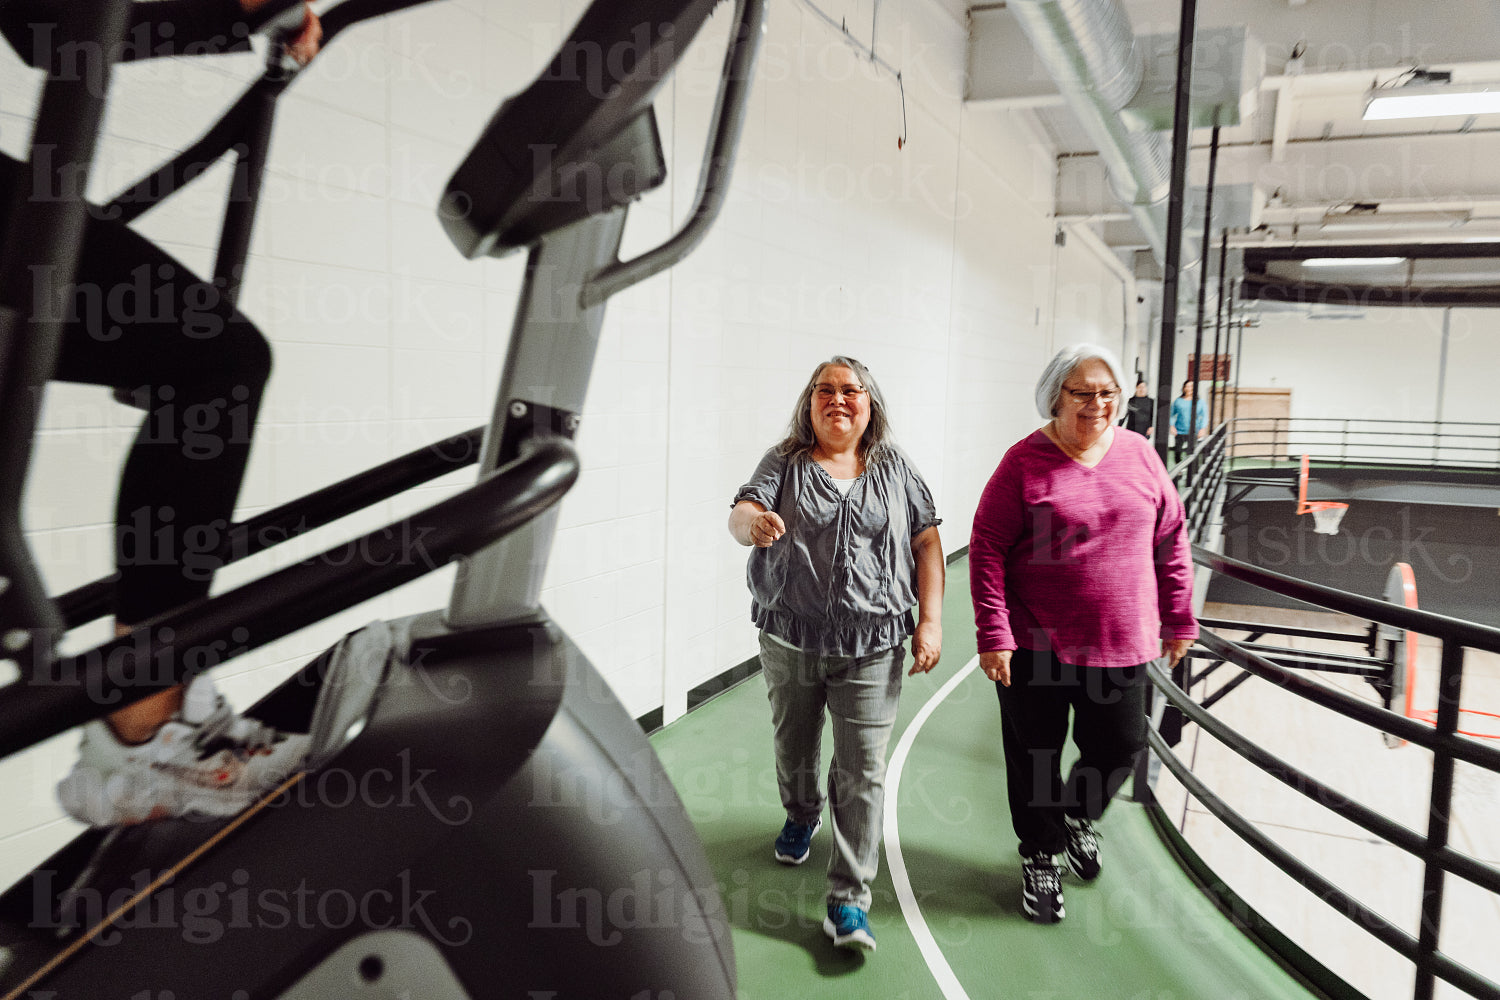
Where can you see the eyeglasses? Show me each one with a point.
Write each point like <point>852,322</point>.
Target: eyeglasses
<point>826,392</point>
<point>1105,396</point>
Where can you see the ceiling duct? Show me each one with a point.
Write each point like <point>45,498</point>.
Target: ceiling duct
<point>1090,50</point>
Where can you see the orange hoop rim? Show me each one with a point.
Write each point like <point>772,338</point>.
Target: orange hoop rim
<point>1306,506</point>
<point>1429,716</point>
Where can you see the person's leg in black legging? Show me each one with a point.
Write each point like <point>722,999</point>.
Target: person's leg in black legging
<point>141,322</point>
<point>1109,729</point>
<point>1034,726</point>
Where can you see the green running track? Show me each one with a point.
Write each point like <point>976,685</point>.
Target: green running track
<point>1142,931</point>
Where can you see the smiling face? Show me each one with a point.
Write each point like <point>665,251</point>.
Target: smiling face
<point>839,416</point>
<point>1080,423</point>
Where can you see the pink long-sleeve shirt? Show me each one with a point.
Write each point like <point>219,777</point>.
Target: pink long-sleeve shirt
<point>1091,563</point>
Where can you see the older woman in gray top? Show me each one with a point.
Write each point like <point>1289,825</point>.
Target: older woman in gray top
<point>846,541</point>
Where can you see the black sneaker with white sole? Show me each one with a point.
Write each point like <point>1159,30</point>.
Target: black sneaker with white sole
<point>1041,888</point>
<point>1082,848</point>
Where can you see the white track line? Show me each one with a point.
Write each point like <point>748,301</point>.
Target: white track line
<point>931,953</point>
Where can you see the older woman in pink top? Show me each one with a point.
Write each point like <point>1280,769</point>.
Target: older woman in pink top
<point>1081,574</point>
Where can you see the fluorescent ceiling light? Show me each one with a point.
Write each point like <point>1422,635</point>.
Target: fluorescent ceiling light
<point>1348,221</point>
<point>1425,101</point>
<point>1352,261</point>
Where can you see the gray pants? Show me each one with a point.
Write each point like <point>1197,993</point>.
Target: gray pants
<point>861,693</point>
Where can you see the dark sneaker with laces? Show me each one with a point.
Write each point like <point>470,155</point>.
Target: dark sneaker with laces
<point>848,927</point>
<point>1082,848</point>
<point>1041,888</point>
<point>794,842</point>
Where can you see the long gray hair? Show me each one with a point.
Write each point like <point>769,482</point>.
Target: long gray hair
<point>1049,386</point>
<point>876,438</point>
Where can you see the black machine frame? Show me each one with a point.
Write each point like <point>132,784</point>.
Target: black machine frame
<point>536,716</point>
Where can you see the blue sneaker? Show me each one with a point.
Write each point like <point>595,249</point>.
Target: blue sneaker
<point>849,927</point>
<point>794,842</point>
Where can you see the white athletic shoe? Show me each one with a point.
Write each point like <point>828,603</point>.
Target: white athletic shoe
<point>204,760</point>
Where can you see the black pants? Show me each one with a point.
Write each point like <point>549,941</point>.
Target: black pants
<point>1109,728</point>
<point>140,321</point>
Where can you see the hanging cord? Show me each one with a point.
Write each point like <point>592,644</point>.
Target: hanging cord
<point>842,27</point>
<point>901,142</point>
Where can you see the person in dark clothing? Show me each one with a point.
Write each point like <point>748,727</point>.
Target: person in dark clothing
<point>142,323</point>
<point>1140,413</point>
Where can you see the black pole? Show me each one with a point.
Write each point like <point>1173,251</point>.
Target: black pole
<point>1239,351</point>
<point>1173,255</point>
<point>38,264</point>
<point>1170,726</point>
<point>1450,683</point>
<point>244,189</point>
<point>1208,221</point>
<point>1216,398</point>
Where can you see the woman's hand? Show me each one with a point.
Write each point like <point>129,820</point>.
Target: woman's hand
<point>926,647</point>
<point>996,666</point>
<point>766,528</point>
<point>1174,650</point>
<point>308,41</point>
<point>752,524</point>
<point>305,44</point>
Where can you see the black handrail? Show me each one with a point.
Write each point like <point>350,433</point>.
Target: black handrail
<point>1447,745</point>
<point>1415,620</point>
<point>1390,935</point>
<point>1364,423</point>
<point>247,538</point>
<point>169,650</point>
<point>1460,747</point>
<point>1198,477</point>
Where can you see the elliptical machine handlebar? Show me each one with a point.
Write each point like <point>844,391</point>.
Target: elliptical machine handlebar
<point>254,535</point>
<point>713,176</point>
<point>71,690</point>
<point>235,125</point>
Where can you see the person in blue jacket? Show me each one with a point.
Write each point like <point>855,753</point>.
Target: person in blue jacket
<point>1187,428</point>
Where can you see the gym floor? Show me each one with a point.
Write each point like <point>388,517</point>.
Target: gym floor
<point>947,910</point>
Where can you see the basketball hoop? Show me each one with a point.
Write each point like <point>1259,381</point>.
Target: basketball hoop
<point>1326,516</point>
<point>1326,513</point>
<point>1401,589</point>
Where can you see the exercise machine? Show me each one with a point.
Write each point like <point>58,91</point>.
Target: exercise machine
<point>478,815</point>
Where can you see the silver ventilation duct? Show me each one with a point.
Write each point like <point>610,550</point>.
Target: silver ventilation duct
<point>1090,50</point>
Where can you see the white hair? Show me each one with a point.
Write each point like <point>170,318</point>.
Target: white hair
<point>1049,386</point>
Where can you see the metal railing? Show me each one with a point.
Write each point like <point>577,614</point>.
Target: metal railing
<point>1198,478</point>
<point>1440,861</point>
<point>1415,443</point>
